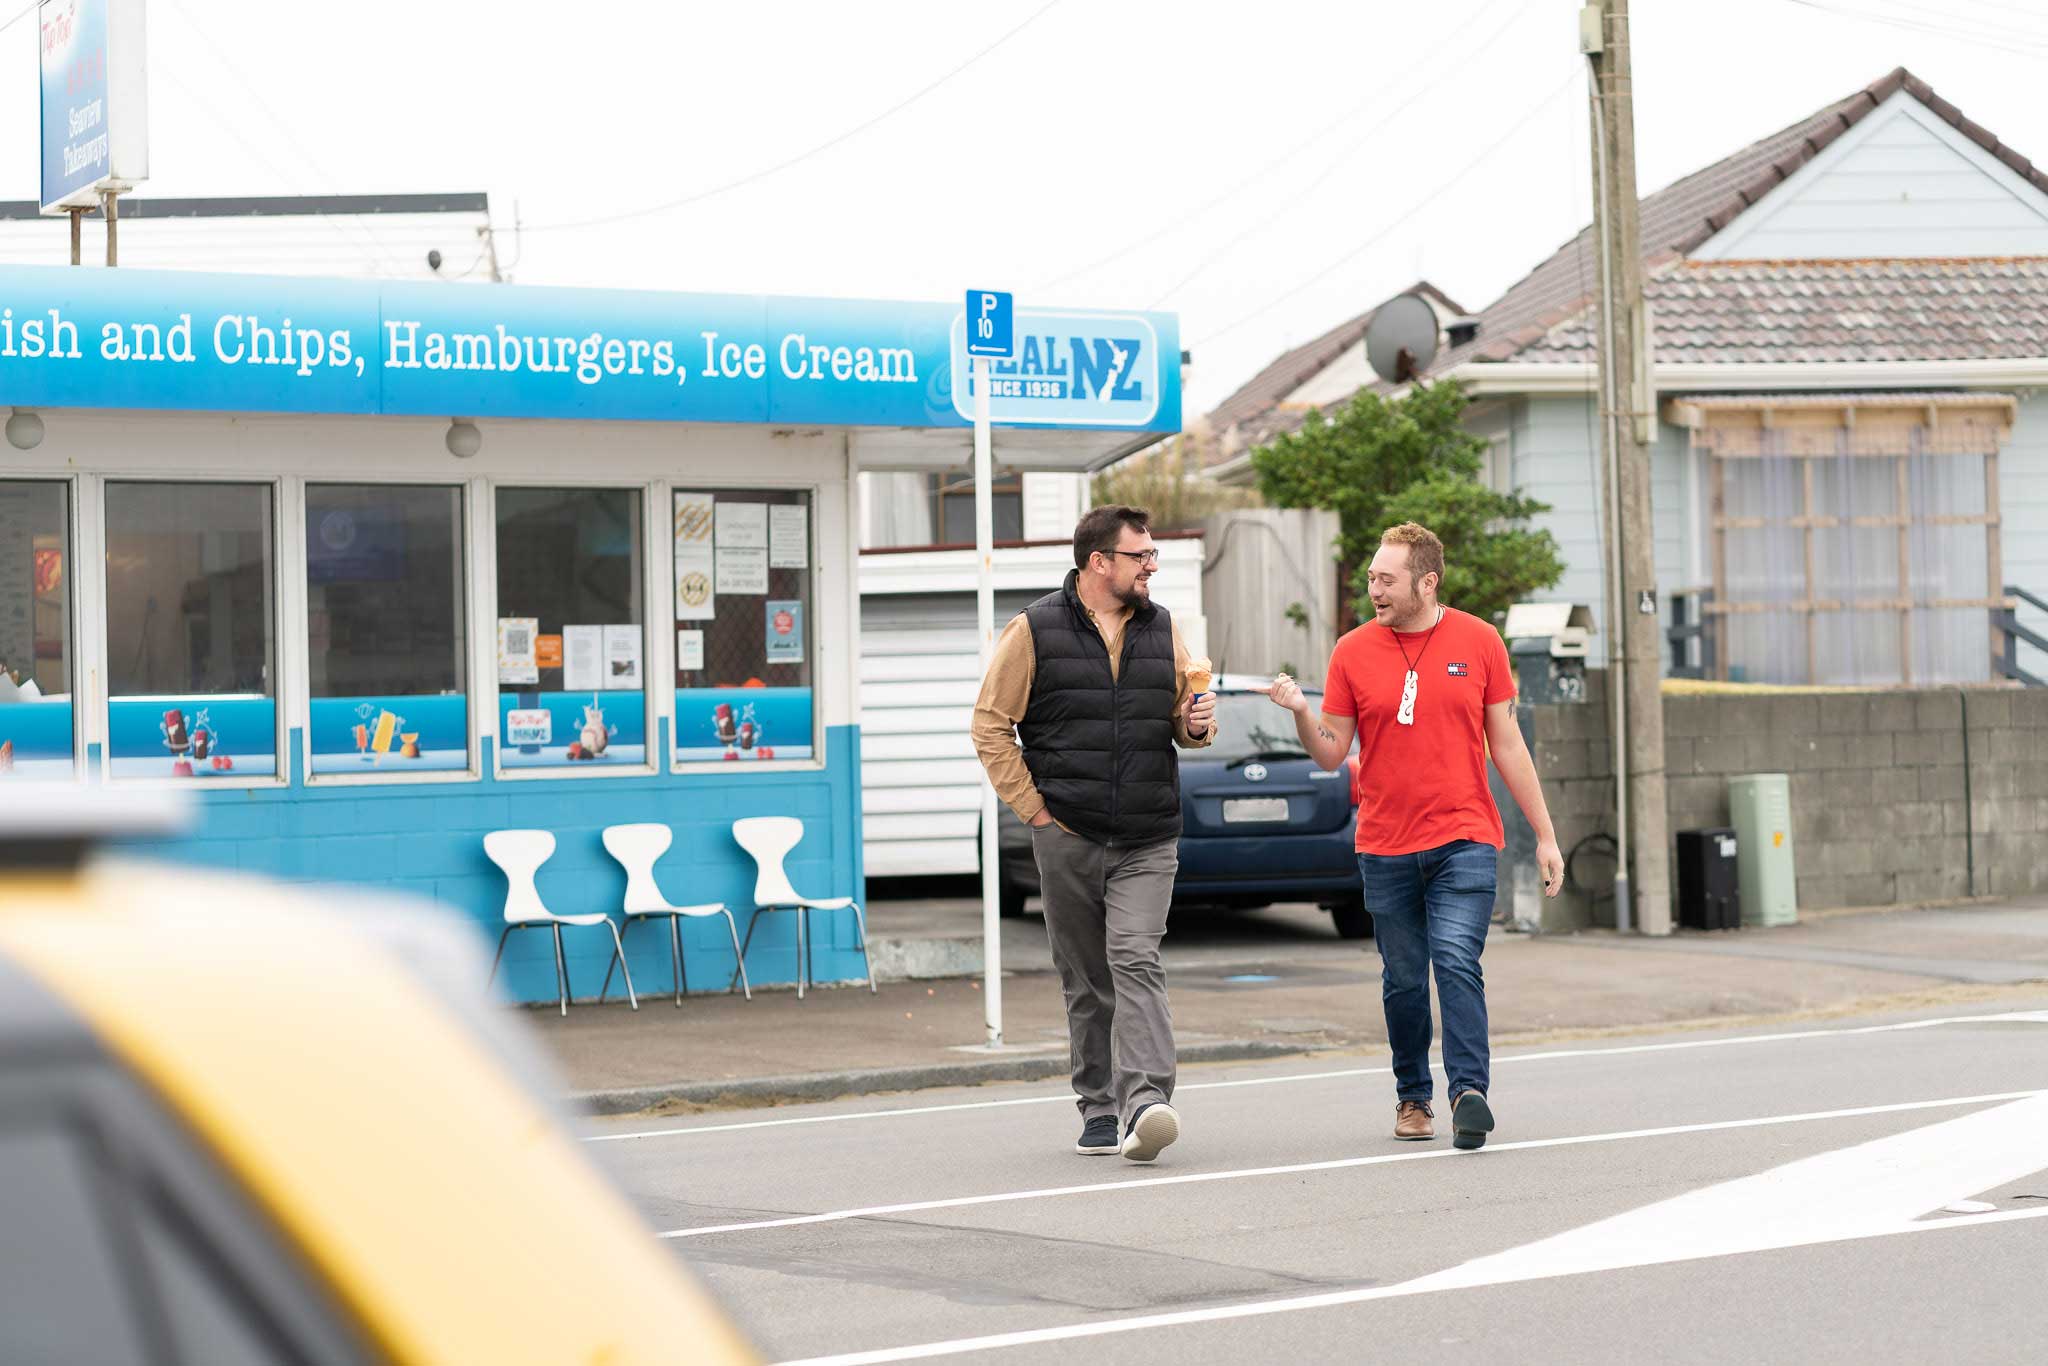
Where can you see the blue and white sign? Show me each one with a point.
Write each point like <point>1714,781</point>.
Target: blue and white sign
<point>1076,370</point>
<point>991,324</point>
<point>233,343</point>
<point>94,100</point>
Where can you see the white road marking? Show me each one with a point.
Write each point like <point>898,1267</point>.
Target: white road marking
<point>1719,1041</point>
<point>1871,1190</point>
<point>1033,1336</point>
<point>1336,1164</point>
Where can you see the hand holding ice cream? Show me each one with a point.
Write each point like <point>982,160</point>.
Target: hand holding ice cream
<point>1201,709</point>
<point>1200,675</point>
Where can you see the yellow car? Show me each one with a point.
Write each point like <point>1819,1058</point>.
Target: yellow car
<point>246,1123</point>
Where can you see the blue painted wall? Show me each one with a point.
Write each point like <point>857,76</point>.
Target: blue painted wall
<point>427,840</point>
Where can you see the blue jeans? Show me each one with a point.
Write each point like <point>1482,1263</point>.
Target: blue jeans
<point>1433,907</point>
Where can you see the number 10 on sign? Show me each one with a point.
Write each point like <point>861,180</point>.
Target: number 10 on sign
<point>990,323</point>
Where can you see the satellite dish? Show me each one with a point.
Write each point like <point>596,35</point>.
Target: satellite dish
<point>1400,341</point>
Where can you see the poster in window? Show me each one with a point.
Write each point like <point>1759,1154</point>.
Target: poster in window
<point>743,570</point>
<point>690,651</point>
<point>519,650</point>
<point>785,631</point>
<point>582,658</point>
<point>694,563</point>
<point>622,656</point>
<point>742,526</point>
<point>789,537</point>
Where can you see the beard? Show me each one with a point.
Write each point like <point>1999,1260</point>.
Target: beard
<point>1400,611</point>
<point>1137,595</point>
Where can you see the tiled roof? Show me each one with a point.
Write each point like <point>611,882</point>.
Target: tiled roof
<point>1730,312</point>
<point>1678,219</point>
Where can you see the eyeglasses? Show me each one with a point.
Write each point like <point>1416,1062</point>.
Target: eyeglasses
<point>1145,557</point>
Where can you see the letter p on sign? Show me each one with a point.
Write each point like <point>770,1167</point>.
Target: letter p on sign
<point>990,323</point>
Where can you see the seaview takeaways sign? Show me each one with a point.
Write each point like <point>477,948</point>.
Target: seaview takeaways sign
<point>233,343</point>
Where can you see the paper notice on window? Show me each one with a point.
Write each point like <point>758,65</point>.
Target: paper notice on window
<point>742,525</point>
<point>789,537</point>
<point>785,633</point>
<point>582,658</point>
<point>690,651</point>
<point>742,570</point>
<point>693,520</point>
<point>519,651</point>
<point>694,597</point>
<point>622,656</point>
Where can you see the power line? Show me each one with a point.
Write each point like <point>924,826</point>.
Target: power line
<point>1915,26</point>
<point>1515,126</point>
<point>1287,204</point>
<point>780,166</point>
<point>1182,219</point>
<point>26,10</point>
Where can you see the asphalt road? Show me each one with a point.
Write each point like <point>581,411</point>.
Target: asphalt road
<point>1680,1197</point>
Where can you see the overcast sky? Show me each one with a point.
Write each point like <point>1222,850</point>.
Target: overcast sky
<point>1264,170</point>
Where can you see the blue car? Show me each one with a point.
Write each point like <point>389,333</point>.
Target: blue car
<point>1260,822</point>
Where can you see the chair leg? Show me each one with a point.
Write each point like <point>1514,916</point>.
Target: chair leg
<point>803,962</point>
<point>605,990</point>
<point>675,944</point>
<point>561,973</point>
<point>752,921</point>
<point>860,926</point>
<point>619,948</point>
<point>499,956</point>
<point>732,927</point>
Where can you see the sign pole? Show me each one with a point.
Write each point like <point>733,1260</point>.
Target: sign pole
<point>985,623</point>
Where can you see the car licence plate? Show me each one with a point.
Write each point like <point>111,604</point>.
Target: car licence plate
<point>1240,809</point>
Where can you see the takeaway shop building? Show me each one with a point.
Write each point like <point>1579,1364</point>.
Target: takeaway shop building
<point>375,568</point>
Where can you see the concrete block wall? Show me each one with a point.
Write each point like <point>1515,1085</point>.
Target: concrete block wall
<point>1896,797</point>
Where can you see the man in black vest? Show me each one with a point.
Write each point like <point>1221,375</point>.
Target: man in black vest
<point>1093,680</point>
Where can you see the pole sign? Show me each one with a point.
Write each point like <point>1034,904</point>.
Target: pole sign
<point>990,319</point>
<point>95,100</point>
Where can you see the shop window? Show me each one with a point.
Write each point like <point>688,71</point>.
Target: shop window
<point>35,630</point>
<point>386,637</point>
<point>190,631</point>
<point>744,655</point>
<point>571,692</point>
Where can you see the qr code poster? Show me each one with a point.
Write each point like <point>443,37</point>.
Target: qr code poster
<point>519,651</point>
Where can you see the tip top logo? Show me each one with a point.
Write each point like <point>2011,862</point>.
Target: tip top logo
<point>1084,370</point>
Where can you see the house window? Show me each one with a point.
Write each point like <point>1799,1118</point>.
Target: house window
<point>1855,539</point>
<point>191,631</point>
<point>746,656</point>
<point>35,630</point>
<point>387,644</point>
<point>953,507</point>
<point>571,690</point>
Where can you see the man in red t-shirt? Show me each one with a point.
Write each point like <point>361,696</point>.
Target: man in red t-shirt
<point>1428,692</point>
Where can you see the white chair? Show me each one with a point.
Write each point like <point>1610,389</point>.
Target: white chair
<point>636,847</point>
<point>519,855</point>
<point>769,839</point>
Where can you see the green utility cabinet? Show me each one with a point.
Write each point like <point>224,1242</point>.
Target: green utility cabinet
<point>1760,809</point>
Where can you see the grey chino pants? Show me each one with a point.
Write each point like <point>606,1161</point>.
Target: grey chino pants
<point>1105,909</point>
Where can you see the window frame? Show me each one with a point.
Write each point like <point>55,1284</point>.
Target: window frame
<point>302,636</point>
<point>487,634</point>
<point>81,705</point>
<point>815,625</point>
<point>282,685</point>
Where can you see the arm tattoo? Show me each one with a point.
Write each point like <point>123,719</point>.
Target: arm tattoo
<point>1324,731</point>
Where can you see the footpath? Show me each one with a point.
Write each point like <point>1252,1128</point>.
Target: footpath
<point>1273,984</point>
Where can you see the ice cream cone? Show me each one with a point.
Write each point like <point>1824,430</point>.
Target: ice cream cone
<point>1200,675</point>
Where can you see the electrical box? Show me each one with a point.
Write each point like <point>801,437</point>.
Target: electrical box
<point>1709,895</point>
<point>1760,809</point>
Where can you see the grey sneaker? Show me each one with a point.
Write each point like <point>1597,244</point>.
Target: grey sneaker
<point>1098,1137</point>
<point>1153,1128</point>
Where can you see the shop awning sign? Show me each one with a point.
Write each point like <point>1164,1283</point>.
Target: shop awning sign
<point>249,343</point>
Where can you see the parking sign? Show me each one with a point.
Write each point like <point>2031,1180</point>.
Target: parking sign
<point>991,327</point>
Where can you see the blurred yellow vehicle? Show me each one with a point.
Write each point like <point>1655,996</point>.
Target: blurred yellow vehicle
<point>241,1122</point>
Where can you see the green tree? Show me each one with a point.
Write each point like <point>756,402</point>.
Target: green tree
<point>1378,462</point>
<point>1166,481</point>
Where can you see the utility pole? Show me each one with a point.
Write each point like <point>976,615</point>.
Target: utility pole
<point>1628,426</point>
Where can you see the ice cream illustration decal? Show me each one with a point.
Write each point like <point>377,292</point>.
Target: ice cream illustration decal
<point>595,736</point>
<point>374,738</point>
<point>739,733</point>
<point>197,740</point>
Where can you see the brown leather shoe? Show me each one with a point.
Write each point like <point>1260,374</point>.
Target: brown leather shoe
<point>1413,1121</point>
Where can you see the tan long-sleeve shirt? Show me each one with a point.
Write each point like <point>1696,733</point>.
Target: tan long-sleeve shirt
<point>1006,692</point>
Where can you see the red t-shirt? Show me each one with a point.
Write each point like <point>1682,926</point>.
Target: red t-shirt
<point>1422,785</point>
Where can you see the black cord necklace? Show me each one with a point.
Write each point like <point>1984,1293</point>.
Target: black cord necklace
<point>1406,716</point>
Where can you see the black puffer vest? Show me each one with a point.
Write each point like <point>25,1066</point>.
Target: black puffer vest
<point>1100,748</point>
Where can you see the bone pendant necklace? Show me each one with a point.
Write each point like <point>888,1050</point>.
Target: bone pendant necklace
<point>1406,716</point>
